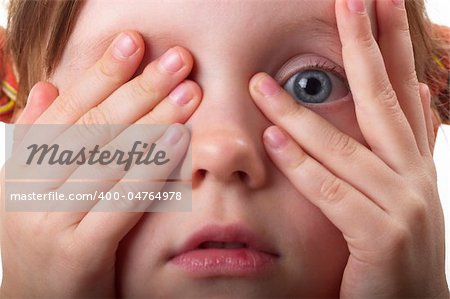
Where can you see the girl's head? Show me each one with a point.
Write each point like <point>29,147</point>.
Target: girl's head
<point>234,181</point>
<point>41,29</point>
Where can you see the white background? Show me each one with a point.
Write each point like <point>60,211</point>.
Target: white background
<point>439,12</point>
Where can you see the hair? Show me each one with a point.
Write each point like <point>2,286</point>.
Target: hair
<point>39,31</point>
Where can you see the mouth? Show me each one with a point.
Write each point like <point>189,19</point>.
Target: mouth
<point>224,245</point>
<point>231,250</point>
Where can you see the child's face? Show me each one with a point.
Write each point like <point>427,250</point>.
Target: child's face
<point>234,181</point>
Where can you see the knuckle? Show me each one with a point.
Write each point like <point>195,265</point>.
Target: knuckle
<point>150,118</point>
<point>332,189</point>
<point>294,111</point>
<point>298,161</point>
<point>365,39</point>
<point>397,239</point>
<point>411,80</point>
<point>362,39</point>
<point>341,144</point>
<point>145,88</point>
<point>87,131</point>
<point>387,97</point>
<point>103,71</point>
<point>417,210</point>
<point>403,28</point>
<point>94,116</point>
<point>67,105</point>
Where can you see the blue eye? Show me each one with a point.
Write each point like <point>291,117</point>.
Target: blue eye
<point>314,86</point>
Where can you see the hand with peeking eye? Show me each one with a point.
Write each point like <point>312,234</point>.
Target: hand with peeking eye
<point>382,196</point>
<point>73,254</point>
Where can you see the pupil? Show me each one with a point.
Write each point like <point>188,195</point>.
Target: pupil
<point>313,86</point>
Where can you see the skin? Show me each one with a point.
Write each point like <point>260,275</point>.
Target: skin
<point>350,183</point>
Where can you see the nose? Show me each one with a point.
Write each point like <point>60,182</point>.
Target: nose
<point>227,143</point>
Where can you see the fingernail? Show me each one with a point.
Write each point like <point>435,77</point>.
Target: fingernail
<point>268,86</point>
<point>181,95</point>
<point>173,134</point>
<point>275,138</point>
<point>124,46</point>
<point>171,61</point>
<point>357,6</point>
<point>399,3</point>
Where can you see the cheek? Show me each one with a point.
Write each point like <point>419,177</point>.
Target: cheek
<point>73,65</point>
<point>64,77</point>
<point>315,250</point>
<point>140,254</point>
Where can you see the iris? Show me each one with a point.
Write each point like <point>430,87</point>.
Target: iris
<point>312,86</point>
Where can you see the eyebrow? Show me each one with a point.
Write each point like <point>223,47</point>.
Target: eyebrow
<point>318,27</point>
<point>325,28</point>
<point>317,24</point>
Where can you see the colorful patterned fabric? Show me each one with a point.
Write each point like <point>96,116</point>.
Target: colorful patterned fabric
<point>8,89</point>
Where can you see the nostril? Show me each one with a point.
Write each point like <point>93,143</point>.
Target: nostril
<point>242,175</point>
<point>198,177</point>
<point>200,174</point>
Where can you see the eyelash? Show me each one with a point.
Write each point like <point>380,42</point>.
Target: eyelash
<point>323,65</point>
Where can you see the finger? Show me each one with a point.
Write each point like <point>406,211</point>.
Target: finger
<point>338,152</point>
<point>40,98</point>
<point>143,93</point>
<point>177,107</point>
<point>349,210</point>
<point>378,112</point>
<point>396,47</point>
<point>116,66</point>
<point>95,179</point>
<point>119,223</point>
<point>425,98</point>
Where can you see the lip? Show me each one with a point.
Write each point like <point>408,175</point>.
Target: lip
<point>258,256</point>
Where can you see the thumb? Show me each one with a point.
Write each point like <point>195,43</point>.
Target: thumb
<point>39,99</point>
<point>41,96</point>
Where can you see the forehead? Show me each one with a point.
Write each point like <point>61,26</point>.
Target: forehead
<point>207,11</point>
<point>228,26</point>
<point>181,16</point>
<point>198,13</point>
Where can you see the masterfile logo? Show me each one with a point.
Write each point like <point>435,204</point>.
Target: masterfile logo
<point>96,168</point>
